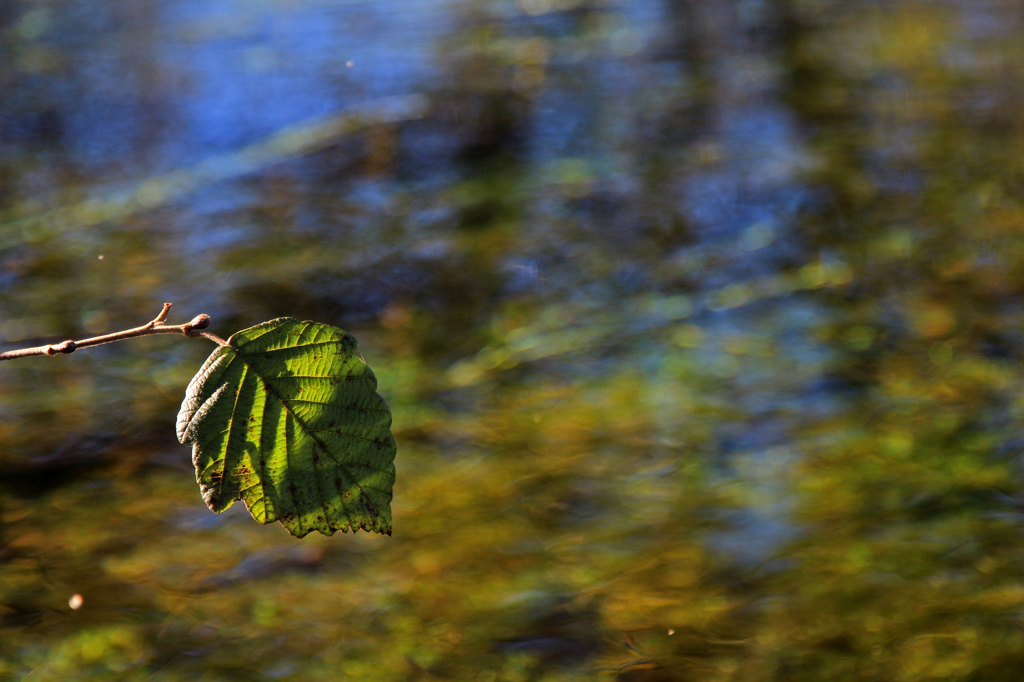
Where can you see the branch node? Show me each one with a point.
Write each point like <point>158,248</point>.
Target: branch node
<point>162,316</point>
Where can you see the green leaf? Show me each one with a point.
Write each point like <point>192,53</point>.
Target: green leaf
<point>286,418</point>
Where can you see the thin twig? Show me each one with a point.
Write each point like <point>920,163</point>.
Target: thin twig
<point>191,329</point>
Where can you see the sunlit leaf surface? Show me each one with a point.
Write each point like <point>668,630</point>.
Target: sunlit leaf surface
<point>286,418</point>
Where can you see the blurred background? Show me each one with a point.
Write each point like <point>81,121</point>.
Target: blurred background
<point>701,323</point>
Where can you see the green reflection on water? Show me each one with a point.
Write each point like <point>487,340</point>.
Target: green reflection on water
<point>657,419</point>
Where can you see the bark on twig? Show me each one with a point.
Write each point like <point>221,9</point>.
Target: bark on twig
<point>191,329</point>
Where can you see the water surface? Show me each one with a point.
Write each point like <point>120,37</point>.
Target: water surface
<point>700,323</point>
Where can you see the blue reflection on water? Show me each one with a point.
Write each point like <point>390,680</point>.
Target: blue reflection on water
<point>196,78</point>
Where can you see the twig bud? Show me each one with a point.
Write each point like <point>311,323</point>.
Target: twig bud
<point>62,347</point>
<point>199,322</point>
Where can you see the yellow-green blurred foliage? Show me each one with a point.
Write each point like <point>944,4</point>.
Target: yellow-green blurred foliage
<point>670,404</point>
